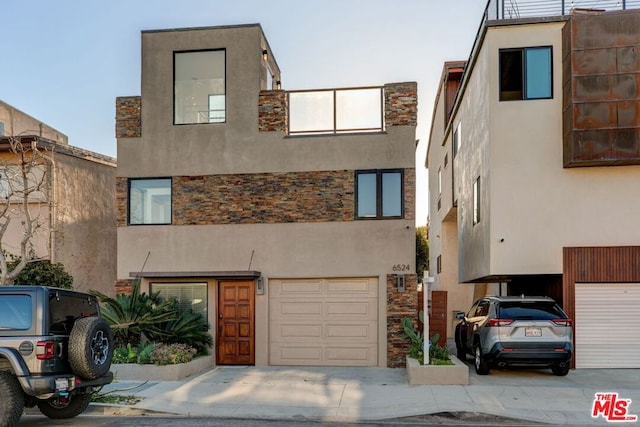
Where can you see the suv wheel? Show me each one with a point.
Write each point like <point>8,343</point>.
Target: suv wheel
<point>560,371</point>
<point>64,407</point>
<point>11,399</point>
<point>482,367</point>
<point>90,347</point>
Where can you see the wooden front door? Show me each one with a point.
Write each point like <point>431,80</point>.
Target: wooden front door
<point>438,318</point>
<point>235,338</point>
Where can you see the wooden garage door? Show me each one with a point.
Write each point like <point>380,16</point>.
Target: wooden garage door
<point>323,322</point>
<point>606,325</point>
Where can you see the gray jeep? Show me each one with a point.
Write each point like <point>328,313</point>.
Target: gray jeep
<point>55,351</point>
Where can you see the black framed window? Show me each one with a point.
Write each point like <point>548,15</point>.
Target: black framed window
<point>199,87</point>
<point>379,194</point>
<point>526,73</point>
<point>149,201</point>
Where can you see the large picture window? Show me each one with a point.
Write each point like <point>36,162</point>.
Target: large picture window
<point>379,194</point>
<point>526,73</point>
<point>150,201</point>
<point>190,297</point>
<point>199,90</point>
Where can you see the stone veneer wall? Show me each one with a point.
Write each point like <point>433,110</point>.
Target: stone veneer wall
<point>123,287</point>
<point>401,104</point>
<point>128,117</point>
<point>272,111</point>
<point>400,305</point>
<point>319,196</point>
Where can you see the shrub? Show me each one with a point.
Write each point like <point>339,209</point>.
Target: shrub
<point>144,353</point>
<point>43,273</point>
<point>438,355</point>
<point>188,328</point>
<point>126,354</point>
<point>171,354</point>
<point>135,315</point>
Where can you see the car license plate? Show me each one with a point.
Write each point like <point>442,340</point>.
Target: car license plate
<point>62,384</point>
<point>533,332</point>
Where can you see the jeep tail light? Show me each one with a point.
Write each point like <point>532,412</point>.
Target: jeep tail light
<point>45,350</point>
<point>563,322</point>
<point>499,322</point>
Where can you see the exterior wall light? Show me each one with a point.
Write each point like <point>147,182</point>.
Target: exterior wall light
<point>265,55</point>
<point>400,282</point>
<point>260,286</point>
<point>278,84</point>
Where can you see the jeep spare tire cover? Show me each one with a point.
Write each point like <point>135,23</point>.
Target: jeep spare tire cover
<point>90,347</point>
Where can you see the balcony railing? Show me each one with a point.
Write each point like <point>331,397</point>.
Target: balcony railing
<point>330,111</point>
<point>515,9</point>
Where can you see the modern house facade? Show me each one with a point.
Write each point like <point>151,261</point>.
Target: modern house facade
<point>73,208</point>
<point>286,218</point>
<point>534,170</point>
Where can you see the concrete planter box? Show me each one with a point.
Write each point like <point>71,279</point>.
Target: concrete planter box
<point>133,371</point>
<point>456,374</point>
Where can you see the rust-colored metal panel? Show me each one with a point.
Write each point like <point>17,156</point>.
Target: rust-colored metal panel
<point>438,317</point>
<point>614,264</point>
<point>601,67</point>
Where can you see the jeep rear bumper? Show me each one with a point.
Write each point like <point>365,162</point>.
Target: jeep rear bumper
<point>51,385</point>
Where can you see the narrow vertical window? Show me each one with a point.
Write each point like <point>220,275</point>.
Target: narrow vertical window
<point>439,181</point>
<point>199,90</point>
<point>439,264</point>
<point>456,138</point>
<point>476,201</point>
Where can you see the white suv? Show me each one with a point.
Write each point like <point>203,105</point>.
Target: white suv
<point>515,331</point>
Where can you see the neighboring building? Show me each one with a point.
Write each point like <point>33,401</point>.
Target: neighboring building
<point>533,171</point>
<point>286,225</point>
<point>75,209</point>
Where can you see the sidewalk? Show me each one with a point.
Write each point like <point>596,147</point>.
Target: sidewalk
<point>358,394</point>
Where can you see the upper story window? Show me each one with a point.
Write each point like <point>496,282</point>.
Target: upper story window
<point>439,181</point>
<point>150,201</point>
<point>476,201</point>
<point>199,88</point>
<point>379,194</point>
<point>526,73</point>
<point>457,135</point>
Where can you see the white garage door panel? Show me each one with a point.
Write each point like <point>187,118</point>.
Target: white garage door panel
<point>607,316</point>
<point>333,322</point>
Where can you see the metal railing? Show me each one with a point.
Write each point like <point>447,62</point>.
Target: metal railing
<point>331,111</point>
<point>515,9</point>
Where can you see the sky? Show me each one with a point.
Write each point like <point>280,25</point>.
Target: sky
<point>64,62</point>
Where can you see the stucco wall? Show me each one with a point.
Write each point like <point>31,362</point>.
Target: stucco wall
<point>471,162</point>
<point>18,123</point>
<point>85,224</point>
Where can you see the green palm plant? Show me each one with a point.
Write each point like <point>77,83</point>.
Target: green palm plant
<point>188,328</point>
<point>136,314</point>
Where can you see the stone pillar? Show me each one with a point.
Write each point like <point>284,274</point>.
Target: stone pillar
<point>272,111</point>
<point>121,201</point>
<point>401,104</point>
<point>128,117</point>
<point>400,305</point>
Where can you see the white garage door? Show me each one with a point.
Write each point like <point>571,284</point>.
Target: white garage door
<point>323,322</point>
<point>607,325</point>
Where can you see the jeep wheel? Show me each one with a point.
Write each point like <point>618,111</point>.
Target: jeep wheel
<point>64,407</point>
<point>482,367</point>
<point>11,399</point>
<point>90,347</point>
